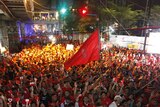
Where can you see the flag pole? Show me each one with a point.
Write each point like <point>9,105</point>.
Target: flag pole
<point>148,84</point>
<point>99,36</point>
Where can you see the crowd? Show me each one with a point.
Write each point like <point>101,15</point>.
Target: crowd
<point>36,77</point>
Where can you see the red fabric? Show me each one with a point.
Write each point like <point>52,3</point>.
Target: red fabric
<point>83,105</point>
<point>24,101</point>
<point>71,97</point>
<point>17,99</point>
<point>106,101</point>
<point>89,51</point>
<point>115,79</point>
<point>54,104</point>
<point>67,89</point>
<point>26,93</point>
<point>121,83</point>
<point>36,98</point>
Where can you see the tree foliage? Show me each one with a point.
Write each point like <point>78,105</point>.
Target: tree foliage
<point>71,23</point>
<point>87,24</point>
<point>108,12</point>
<point>122,15</point>
<point>155,15</point>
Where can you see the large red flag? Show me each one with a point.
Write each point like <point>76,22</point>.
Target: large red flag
<point>89,51</point>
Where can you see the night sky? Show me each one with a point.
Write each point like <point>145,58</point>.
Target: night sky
<point>141,4</point>
<point>138,4</point>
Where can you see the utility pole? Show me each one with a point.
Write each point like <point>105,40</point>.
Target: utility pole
<point>147,16</point>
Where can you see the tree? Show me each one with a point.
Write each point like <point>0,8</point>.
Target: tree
<point>105,13</point>
<point>87,24</point>
<point>110,12</point>
<point>155,16</point>
<point>73,18</point>
<point>71,23</point>
<point>124,15</point>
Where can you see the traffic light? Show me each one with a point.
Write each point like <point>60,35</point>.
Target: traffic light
<point>63,11</point>
<point>83,11</point>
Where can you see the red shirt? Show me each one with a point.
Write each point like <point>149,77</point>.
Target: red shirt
<point>106,101</point>
<point>54,104</point>
<point>71,98</point>
<point>81,104</point>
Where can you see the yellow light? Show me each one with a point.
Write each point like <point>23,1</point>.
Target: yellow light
<point>25,1</point>
<point>57,15</point>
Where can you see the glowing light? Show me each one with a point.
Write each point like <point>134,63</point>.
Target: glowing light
<point>25,1</point>
<point>52,39</point>
<point>36,27</point>
<point>69,47</point>
<point>54,29</point>
<point>84,11</point>
<point>111,29</point>
<point>57,15</point>
<point>63,10</point>
<point>3,49</point>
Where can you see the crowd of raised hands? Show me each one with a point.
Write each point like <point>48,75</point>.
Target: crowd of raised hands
<point>36,77</point>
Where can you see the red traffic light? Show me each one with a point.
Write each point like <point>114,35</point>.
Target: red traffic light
<point>83,11</point>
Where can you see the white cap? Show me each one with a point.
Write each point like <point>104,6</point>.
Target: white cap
<point>117,97</point>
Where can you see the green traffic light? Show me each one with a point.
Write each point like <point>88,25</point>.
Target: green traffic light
<point>63,10</point>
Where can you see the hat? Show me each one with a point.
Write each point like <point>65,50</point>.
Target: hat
<point>117,97</point>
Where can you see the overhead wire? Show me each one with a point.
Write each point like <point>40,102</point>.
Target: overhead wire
<point>136,4</point>
<point>114,17</point>
<point>142,8</point>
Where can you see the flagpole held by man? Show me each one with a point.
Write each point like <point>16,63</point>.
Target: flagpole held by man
<point>89,51</point>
